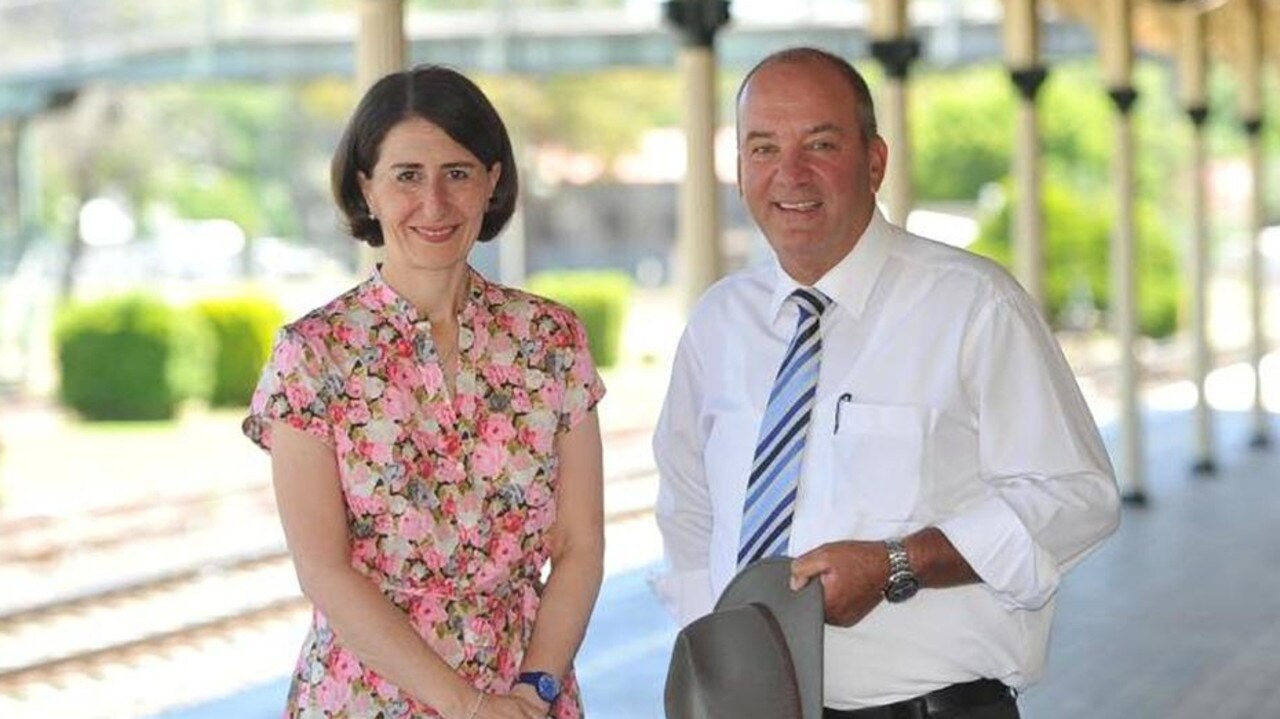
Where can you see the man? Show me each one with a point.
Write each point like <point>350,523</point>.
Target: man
<point>891,411</point>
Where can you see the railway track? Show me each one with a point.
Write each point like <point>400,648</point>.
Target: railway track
<point>125,606</point>
<point>46,538</point>
<point>78,631</point>
<point>110,613</point>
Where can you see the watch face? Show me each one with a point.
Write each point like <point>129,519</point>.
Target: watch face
<point>548,688</point>
<point>546,685</point>
<point>901,589</point>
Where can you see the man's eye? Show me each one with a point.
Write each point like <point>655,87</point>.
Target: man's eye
<point>822,145</point>
<point>763,150</point>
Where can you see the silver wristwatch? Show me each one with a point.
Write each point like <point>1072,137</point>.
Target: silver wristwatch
<point>903,583</point>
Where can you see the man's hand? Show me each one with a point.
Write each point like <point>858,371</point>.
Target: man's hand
<point>853,576</point>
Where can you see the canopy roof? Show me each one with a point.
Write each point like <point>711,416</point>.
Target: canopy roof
<point>1229,23</point>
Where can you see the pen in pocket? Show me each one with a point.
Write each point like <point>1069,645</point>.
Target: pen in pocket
<point>846,397</point>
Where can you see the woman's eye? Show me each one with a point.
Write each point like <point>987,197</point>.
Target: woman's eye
<point>458,174</point>
<point>408,176</point>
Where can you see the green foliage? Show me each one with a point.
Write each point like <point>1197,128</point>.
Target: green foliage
<point>131,358</point>
<point>962,129</point>
<point>579,111</point>
<point>961,132</point>
<point>599,297</point>
<point>212,194</point>
<point>243,329</point>
<point>237,150</point>
<point>1078,230</point>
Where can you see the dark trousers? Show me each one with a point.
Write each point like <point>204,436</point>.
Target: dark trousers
<point>984,699</point>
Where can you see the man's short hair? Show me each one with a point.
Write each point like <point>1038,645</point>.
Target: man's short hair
<point>798,55</point>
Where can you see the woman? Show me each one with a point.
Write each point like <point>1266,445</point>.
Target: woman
<point>433,438</point>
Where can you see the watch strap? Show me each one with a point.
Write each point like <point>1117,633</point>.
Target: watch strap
<point>546,685</point>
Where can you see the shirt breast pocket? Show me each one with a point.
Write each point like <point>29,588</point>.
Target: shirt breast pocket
<point>880,460</point>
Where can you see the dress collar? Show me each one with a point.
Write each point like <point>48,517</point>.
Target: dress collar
<point>375,294</point>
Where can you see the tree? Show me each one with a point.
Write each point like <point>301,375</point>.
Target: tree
<point>960,132</point>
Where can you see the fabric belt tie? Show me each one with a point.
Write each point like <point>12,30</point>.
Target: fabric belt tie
<point>940,703</point>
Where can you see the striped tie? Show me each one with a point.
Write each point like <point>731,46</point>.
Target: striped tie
<point>771,490</point>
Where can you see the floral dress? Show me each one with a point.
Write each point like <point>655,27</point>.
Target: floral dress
<point>449,498</point>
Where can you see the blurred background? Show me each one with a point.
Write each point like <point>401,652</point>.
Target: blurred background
<point>164,207</point>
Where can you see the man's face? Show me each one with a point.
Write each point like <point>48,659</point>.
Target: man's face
<point>806,174</point>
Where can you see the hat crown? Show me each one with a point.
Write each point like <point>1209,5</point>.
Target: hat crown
<point>758,655</point>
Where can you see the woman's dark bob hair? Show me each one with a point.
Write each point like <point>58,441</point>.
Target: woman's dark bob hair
<point>445,98</point>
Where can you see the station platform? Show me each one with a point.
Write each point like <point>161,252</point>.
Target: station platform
<point>1174,616</point>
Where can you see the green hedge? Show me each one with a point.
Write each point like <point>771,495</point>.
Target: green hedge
<point>131,358</point>
<point>243,329</point>
<point>600,297</point>
<point>1077,242</point>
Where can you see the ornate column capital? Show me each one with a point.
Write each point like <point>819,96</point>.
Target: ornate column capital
<point>1123,97</point>
<point>1198,114</point>
<point>896,56</point>
<point>1028,80</point>
<point>697,21</point>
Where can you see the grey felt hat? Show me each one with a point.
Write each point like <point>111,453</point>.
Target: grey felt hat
<point>757,655</point>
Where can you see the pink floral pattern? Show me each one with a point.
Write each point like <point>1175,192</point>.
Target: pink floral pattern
<point>449,498</point>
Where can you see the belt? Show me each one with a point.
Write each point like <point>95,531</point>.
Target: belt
<point>957,697</point>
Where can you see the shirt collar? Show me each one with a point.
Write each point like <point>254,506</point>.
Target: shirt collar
<point>849,283</point>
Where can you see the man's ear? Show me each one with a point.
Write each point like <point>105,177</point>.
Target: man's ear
<point>877,161</point>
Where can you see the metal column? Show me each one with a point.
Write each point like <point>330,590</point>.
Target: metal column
<point>381,48</point>
<point>1116,42</point>
<point>895,50</point>
<point>1251,110</point>
<point>1022,55</point>
<point>1192,62</point>
<point>698,244</point>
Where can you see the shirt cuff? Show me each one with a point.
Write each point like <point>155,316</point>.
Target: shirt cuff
<point>992,538</point>
<point>686,595</point>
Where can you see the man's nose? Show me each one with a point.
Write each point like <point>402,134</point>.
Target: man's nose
<point>794,167</point>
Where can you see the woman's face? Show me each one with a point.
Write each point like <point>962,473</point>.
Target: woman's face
<point>429,194</point>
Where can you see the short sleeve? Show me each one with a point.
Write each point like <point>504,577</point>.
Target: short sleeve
<point>583,387</point>
<point>292,389</point>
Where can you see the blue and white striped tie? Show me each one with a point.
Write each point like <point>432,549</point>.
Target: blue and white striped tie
<point>771,489</point>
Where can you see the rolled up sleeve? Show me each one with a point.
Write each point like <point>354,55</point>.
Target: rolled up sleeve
<point>1053,494</point>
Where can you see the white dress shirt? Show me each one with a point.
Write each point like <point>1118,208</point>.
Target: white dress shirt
<point>956,409</point>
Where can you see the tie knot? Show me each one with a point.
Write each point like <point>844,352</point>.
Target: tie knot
<point>811,301</point>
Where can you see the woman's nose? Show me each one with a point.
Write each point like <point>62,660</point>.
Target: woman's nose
<point>433,197</point>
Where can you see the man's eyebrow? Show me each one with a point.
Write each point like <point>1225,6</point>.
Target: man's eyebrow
<point>825,127</point>
<point>815,130</point>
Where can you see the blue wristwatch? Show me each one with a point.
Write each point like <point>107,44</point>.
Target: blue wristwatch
<point>546,685</point>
